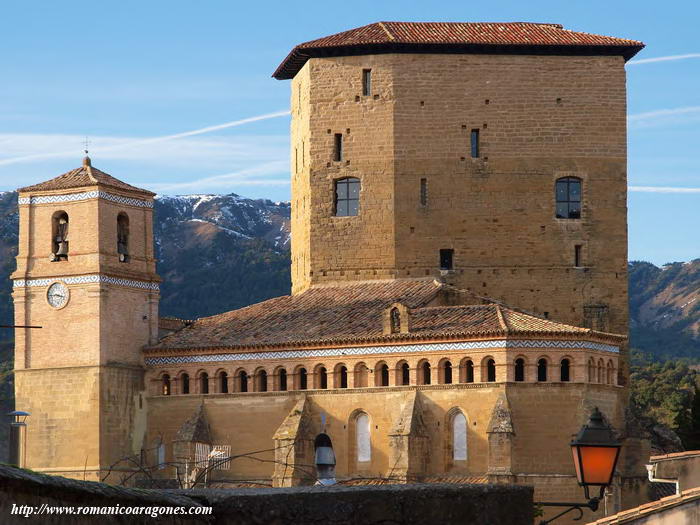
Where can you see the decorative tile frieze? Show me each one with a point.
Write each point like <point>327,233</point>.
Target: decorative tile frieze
<point>87,279</point>
<point>72,197</point>
<point>372,350</point>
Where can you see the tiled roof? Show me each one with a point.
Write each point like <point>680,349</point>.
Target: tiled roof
<point>642,513</point>
<point>81,177</point>
<point>474,37</point>
<point>355,312</point>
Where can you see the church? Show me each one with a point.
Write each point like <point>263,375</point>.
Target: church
<point>459,283</point>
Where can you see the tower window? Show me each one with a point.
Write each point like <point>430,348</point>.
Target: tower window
<point>322,378</point>
<point>520,370</point>
<point>395,316</point>
<point>426,373</point>
<point>347,197</point>
<point>447,373</point>
<point>166,385</point>
<point>424,192</point>
<point>223,383</point>
<point>123,237</point>
<point>343,376</point>
<point>185,383</point>
<point>303,383</point>
<point>283,380</point>
<point>366,82</point>
<point>469,372</point>
<point>491,371</point>
<point>60,236</point>
<point>364,448</point>
<point>446,256</point>
<point>405,374</point>
<point>577,255</point>
<point>565,370</point>
<point>204,383</point>
<point>384,375</point>
<point>568,198</point>
<point>475,143</point>
<point>243,381</point>
<point>459,437</point>
<point>262,381</point>
<point>338,147</point>
<point>542,370</point>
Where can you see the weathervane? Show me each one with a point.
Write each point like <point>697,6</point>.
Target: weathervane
<point>87,145</point>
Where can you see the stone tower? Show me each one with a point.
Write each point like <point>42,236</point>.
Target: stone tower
<point>490,155</point>
<point>86,275</point>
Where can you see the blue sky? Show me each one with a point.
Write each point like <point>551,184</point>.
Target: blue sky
<point>127,72</point>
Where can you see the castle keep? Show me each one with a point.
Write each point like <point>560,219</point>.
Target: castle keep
<point>459,286</point>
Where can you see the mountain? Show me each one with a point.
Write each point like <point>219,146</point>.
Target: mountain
<point>665,308</point>
<point>220,252</point>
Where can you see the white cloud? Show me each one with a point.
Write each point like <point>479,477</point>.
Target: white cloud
<point>663,59</point>
<point>245,177</point>
<point>23,147</point>
<point>662,189</point>
<point>663,113</point>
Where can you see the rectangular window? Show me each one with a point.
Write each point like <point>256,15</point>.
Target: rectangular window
<point>577,255</point>
<point>446,258</point>
<point>366,82</point>
<point>424,192</point>
<point>338,147</point>
<point>296,160</point>
<point>475,143</point>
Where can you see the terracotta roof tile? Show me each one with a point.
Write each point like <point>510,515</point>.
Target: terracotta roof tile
<point>355,312</point>
<point>84,176</point>
<point>493,37</point>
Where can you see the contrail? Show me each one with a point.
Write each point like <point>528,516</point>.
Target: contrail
<point>662,189</point>
<point>663,59</point>
<point>663,113</point>
<point>164,138</point>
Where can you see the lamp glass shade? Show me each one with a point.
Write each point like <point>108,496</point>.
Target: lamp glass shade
<point>595,465</point>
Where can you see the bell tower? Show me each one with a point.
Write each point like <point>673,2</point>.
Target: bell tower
<point>85,274</point>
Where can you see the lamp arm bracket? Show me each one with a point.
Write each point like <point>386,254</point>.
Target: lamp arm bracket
<point>591,504</point>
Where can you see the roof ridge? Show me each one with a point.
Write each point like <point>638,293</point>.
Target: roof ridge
<point>501,319</point>
<point>388,33</point>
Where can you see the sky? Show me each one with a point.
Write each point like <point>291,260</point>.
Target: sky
<point>177,96</point>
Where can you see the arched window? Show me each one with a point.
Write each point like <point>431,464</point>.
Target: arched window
<point>165,387</point>
<point>610,373</point>
<point>520,369</point>
<point>601,368</point>
<point>343,379</point>
<point>445,375</point>
<point>469,371</point>
<point>243,381</point>
<point>123,237</point>
<point>347,197</point>
<point>262,381</point>
<point>425,373</point>
<point>384,375</point>
<point>223,382</point>
<point>568,198</point>
<point>490,371</point>
<point>185,383</point>
<point>322,377</point>
<point>565,370</point>
<point>542,369</point>
<point>303,379</point>
<point>204,383</point>
<point>283,379</point>
<point>405,374</point>
<point>361,371</point>
<point>59,239</point>
<point>395,318</point>
<point>364,445</point>
<point>591,370</point>
<point>459,437</point>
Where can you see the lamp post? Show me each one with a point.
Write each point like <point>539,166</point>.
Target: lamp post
<point>18,438</point>
<point>595,452</point>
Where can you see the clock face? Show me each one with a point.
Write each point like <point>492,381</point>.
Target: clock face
<point>57,295</point>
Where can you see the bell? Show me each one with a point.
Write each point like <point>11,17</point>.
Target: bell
<point>62,249</point>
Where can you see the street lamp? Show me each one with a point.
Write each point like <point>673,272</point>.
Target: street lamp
<point>595,451</point>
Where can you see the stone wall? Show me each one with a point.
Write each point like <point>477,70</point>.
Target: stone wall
<point>408,504</point>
